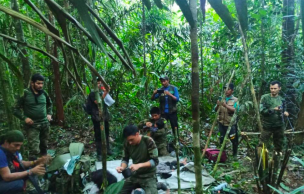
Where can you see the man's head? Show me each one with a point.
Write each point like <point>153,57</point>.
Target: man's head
<point>230,89</point>
<point>99,83</point>
<point>131,133</point>
<point>164,80</point>
<point>37,82</point>
<point>13,140</point>
<point>155,113</point>
<point>275,88</point>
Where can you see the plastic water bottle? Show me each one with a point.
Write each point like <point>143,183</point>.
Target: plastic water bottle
<point>220,187</point>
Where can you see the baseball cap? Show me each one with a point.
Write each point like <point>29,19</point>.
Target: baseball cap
<point>163,77</point>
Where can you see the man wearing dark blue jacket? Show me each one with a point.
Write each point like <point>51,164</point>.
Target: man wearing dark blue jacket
<point>168,97</point>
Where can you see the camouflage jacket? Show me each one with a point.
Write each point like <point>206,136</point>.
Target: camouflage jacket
<point>145,151</point>
<point>270,117</point>
<point>158,136</point>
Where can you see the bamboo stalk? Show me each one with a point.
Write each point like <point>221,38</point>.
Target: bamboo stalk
<point>215,120</point>
<point>232,122</point>
<point>177,159</point>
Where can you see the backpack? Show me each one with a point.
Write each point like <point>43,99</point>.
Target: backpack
<point>87,106</point>
<point>212,155</point>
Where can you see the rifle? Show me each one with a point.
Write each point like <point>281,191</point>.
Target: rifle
<point>10,156</point>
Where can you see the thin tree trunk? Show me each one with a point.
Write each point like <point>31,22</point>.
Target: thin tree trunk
<point>215,120</point>
<point>300,122</point>
<point>195,99</point>
<point>288,30</point>
<point>58,93</point>
<point>144,45</point>
<point>232,122</point>
<point>20,36</point>
<point>7,92</point>
<point>254,99</point>
<point>263,69</point>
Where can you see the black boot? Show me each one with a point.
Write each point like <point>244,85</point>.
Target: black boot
<point>235,149</point>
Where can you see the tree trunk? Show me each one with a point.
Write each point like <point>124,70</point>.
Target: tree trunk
<point>263,69</point>
<point>195,99</point>
<point>287,55</point>
<point>23,55</point>
<point>58,93</point>
<point>300,122</point>
<point>7,92</point>
<point>144,45</point>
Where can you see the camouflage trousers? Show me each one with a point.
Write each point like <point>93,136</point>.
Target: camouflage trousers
<point>278,137</point>
<point>149,185</point>
<point>37,136</point>
<point>162,151</point>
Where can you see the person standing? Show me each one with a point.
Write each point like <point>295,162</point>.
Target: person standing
<point>227,109</point>
<point>273,110</point>
<point>97,118</point>
<point>143,152</point>
<point>168,97</point>
<point>34,108</point>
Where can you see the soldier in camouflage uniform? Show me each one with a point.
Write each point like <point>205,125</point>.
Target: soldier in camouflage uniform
<point>34,108</point>
<point>156,127</point>
<point>272,110</point>
<point>143,152</point>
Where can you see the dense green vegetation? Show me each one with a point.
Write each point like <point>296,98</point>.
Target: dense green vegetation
<point>72,47</point>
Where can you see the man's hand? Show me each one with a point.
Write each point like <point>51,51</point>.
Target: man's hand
<point>29,121</point>
<point>286,114</point>
<point>49,117</point>
<point>218,103</point>
<point>43,160</point>
<point>155,91</point>
<point>167,93</point>
<point>277,108</point>
<point>38,170</point>
<point>135,167</point>
<point>148,124</point>
<point>119,169</point>
<point>224,104</point>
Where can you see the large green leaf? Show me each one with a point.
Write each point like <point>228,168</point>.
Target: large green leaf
<point>297,190</point>
<point>224,13</point>
<point>184,6</point>
<point>115,188</point>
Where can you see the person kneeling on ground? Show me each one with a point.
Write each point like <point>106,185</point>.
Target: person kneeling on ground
<point>143,151</point>
<point>157,127</point>
<point>12,176</point>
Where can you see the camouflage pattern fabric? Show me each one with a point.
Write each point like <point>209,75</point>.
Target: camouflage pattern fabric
<point>149,185</point>
<point>270,117</point>
<point>145,151</point>
<point>37,135</point>
<point>159,136</point>
<point>278,137</point>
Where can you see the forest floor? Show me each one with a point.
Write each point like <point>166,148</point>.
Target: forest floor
<point>238,173</point>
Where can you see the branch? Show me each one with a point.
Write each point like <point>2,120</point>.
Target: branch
<point>241,8</point>
<point>29,46</point>
<point>46,31</point>
<point>112,34</point>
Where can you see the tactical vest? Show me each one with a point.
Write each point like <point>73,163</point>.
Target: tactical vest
<point>171,102</point>
<point>12,161</point>
<point>224,114</point>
